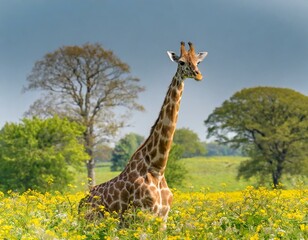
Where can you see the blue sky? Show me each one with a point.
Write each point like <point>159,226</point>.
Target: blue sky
<point>250,43</point>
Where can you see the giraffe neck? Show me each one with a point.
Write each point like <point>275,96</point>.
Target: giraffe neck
<point>156,148</point>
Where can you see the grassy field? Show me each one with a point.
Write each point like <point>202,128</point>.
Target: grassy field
<point>212,173</point>
<point>215,174</point>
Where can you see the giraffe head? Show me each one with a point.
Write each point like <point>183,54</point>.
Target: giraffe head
<point>188,61</point>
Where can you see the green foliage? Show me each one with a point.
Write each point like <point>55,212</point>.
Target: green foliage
<point>272,126</point>
<point>124,150</point>
<point>40,154</point>
<point>175,172</point>
<point>189,142</point>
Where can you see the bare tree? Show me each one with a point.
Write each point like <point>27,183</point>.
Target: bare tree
<point>88,84</point>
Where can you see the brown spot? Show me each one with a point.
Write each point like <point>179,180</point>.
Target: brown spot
<point>148,201</point>
<point>164,196</point>
<point>143,170</point>
<point>147,159</point>
<point>105,193</point>
<point>174,117</point>
<point>119,185</point>
<point>109,199</point>
<point>167,131</point>
<point>115,206</point>
<point>133,176</point>
<point>137,155</point>
<point>137,204</point>
<point>140,166</point>
<point>149,146</point>
<point>162,146</point>
<point>174,95</point>
<point>138,193</point>
<point>128,186</point>
<point>116,193</point>
<point>170,198</point>
<point>133,164</point>
<point>144,150</point>
<point>156,139</point>
<point>162,114</point>
<point>125,195</point>
<point>153,153</point>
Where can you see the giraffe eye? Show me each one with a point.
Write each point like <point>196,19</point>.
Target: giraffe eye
<point>198,63</point>
<point>181,63</point>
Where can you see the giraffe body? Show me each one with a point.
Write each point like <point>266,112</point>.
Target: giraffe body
<point>142,183</point>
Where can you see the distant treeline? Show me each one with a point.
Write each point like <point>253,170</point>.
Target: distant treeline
<point>215,149</point>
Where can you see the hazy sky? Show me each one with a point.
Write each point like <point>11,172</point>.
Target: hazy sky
<point>250,43</point>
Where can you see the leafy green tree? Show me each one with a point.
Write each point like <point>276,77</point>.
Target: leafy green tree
<point>189,141</point>
<point>86,84</point>
<point>271,124</point>
<point>124,150</point>
<point>175,172</point>
<point>40,154</point>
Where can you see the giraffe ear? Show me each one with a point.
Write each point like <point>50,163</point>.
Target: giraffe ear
<point>201,56</point>
<point>173,56</point>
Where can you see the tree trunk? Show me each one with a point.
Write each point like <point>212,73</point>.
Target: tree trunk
<point>276,174</point>
<point>89,143</point>
<point>91,172</point>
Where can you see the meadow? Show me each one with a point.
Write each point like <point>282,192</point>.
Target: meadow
<point>230,210</point>
<point>216,174</point>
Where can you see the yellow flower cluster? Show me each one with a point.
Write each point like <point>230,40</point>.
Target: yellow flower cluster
<point>248,214</point>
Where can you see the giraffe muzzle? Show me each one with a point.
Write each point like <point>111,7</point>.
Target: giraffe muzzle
<point>198,77</point>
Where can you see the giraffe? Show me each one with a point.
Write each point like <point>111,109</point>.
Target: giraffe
<point>142,183</point>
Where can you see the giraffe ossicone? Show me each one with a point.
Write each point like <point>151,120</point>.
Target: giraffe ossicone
<point>142,183</point>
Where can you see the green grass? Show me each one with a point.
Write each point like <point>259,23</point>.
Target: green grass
<point>213,173</point>
<point>103,173</point>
